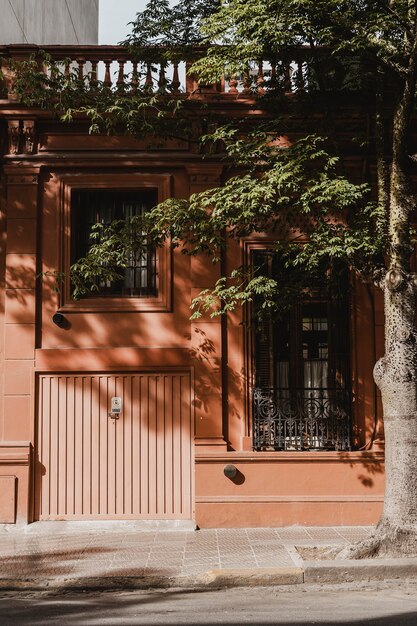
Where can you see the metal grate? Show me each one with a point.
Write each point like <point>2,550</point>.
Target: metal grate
<point>301,419</point>
<point>90,207</point>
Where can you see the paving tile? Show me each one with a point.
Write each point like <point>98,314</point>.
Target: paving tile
<point>275,562</point>
<point>78,555</point>
<point>162,571</point>
<point>195,562</point>
<point>292,533</point>
<point>125,571</point>
<point>128,556</point>
<point>321,532</point>
<point>238,565</point>
<point>202,567</point>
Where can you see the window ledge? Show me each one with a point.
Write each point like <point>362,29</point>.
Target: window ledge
<point>115,304</point>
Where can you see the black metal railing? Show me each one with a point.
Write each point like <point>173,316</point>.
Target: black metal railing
<point>301,419</point>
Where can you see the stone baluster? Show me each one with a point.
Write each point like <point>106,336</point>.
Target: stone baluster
<point>120,78</point>
<point>149,79</point>
<point>233,85</point>
<point>300,77</point>
<point>274,77</point>
<point>287,78</point>
<point>107,76</point>
<point>246,91</point>
<point>93,75</point>
<point>134,83</point>
<point>260,79</point>
<point>81,63</point>
<point>54,71</point>
<point>67,69</point>
<point>162,81</point>
<point>176,83</point>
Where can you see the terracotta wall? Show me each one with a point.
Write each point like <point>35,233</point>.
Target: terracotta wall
<point>287,488</point>
<point>272,488</point>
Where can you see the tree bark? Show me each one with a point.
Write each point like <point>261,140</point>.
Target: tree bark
<point>396,376</point>
<point>396,372</point>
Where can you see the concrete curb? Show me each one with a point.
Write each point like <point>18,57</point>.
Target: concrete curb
<point>323,572</point>
<point>363,570</point>
<point>212,579</point>
<point>255,577</point>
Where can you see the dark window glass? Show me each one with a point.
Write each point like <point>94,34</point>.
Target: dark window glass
<point>89,207</point>
<point>301,398</point>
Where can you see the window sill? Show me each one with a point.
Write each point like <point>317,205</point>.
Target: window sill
<point>117,304</point>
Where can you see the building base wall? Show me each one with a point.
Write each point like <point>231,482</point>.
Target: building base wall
<point>15,482</point>
<point>286,488</point>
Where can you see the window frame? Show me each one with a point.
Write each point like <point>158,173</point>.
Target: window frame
<point>262,242</point>
<point>115,182</point>
<point>296,359</point>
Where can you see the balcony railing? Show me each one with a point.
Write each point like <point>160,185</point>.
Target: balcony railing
<point>301,419</point>
<point>150,68</point>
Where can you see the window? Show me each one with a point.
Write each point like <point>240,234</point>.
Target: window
<point>301,373</point>
<point>89,207</point>
<point>90,198</point>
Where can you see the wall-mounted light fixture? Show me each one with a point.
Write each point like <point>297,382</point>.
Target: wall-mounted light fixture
<point>230,471</point>
<point>60,320</point>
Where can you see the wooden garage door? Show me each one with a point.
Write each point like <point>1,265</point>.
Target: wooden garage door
<point>92,466</point>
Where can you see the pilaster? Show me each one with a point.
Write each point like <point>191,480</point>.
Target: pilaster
<point>206,335</point>
<point>17,417</point>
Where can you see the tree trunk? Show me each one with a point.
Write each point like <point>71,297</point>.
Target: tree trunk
<point>396,376</point>
<point>396,372</point>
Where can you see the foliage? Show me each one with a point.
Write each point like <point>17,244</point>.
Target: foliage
<point>168,26</point>
<point>299,193</point>
<point>56,86</point>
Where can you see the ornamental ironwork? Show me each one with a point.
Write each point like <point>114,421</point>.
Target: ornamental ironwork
<point>301,419</point>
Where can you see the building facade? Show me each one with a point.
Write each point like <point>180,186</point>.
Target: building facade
<point>118,406</point>
<point>45,22</point>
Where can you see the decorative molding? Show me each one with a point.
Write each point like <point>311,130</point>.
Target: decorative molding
<point>24,179</point>
<point>29,134</point>
<point>15,453</point>
<point>302,498</point>
<point>21,137</point>
<point>63,142</point>
<point>210,442</point>
<point>13,131</point>
<point>204,174</point>
<point>111,358</point>
<point>292,457</point>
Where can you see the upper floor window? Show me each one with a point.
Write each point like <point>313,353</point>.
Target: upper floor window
<point>104,206</point>
<point>102,198</point>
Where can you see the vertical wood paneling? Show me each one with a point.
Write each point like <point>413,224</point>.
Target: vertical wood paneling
<point>70,446</point>
<point>53,447</point>
<point>176,434</point>
<point>95,446</point>
<point>139,466</point>
<point>78,453</point>
<point>168,443</point>
<point>135,447</point>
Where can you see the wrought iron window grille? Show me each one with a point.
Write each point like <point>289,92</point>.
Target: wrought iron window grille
<point>301,419</point>
<point>90,207</point>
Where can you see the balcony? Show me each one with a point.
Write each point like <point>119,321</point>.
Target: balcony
<point>156,71</point>
<point>301,419</point>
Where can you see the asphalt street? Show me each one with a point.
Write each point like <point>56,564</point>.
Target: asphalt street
<point>382,604</point>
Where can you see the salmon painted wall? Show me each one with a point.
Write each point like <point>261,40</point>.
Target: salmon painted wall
<point>274,488</point>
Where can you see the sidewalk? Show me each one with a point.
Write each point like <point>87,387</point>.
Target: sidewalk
<point>91,555</point>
